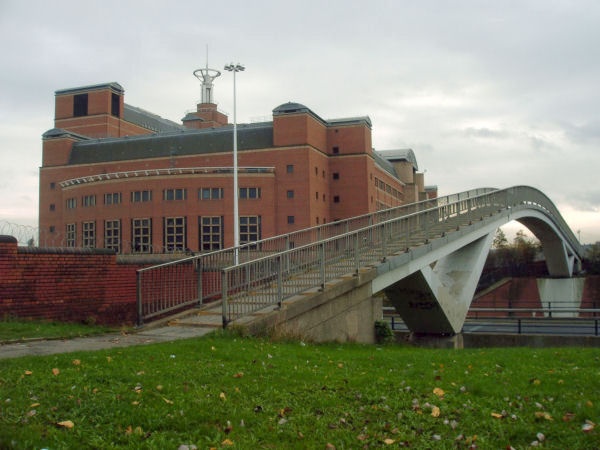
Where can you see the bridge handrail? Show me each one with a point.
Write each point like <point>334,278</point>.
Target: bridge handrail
<point>364,239</point>
<point>307,234</point>
<point>268,268</point>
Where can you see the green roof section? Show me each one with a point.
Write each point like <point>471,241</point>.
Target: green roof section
<point>165,145</point>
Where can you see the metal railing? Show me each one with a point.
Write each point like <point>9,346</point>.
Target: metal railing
<point>532,321</point>
<point>272,270</point>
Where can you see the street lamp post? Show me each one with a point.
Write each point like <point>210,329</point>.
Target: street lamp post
<point>236,225</point>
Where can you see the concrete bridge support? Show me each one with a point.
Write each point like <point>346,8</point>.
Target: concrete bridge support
<point>561,293</point>
<point>344,311</point>
<point>435,299</point>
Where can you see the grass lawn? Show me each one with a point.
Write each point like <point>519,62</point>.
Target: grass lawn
<point>225,391</point>
<point>14,330</point>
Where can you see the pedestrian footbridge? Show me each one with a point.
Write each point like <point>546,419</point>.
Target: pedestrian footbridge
<point>324,282</point>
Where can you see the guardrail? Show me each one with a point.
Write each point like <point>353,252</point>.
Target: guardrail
<point>521,321</point>
<point>272,270</point>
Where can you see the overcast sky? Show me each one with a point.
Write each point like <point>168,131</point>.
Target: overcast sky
<point>490,94</point>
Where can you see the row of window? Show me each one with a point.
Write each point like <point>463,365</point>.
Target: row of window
<point>174,233</point>
<point>115,198</point>
<point>382,185</point>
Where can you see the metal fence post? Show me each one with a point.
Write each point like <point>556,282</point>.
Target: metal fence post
<point>279,281</point>
<point>140,317</point>
<point>199,283</point>
<point>322,264</point>
<point>224,290</point>
<point>356,253</point>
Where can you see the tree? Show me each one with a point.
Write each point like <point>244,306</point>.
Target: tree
<point>500,241</point>
<point>524,248</point>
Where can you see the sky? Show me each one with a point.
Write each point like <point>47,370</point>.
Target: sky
<point>487,94</point>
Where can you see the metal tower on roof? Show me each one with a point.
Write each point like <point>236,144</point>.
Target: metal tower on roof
<point>206,77</point>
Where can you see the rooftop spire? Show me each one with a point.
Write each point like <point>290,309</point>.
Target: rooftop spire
<point>206,77</point>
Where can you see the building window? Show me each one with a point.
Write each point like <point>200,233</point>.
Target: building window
<point>113,198</point>
<point>174,234</point>
<point>336,199</point>
<point>52,229</point>
<point>323,174</point>
<point>211,233</point>
<point>249,229</point>
<point>52,207</point>
<point>290,168</point>
<point>71,203</point>
<point>175,194</point>
<point>52,185</point>
<point>115,105</point>
<point>336,150</point>
<point>71,237</point>
<point>317,171</point>
<point>112,235</point>
<point>336,176</point>
<point>249,192</point>
<point>88,200</point>
<point>89,234</point>
<point>80,105</point>
<point>141,196</point>
<point>323,197</point>
<point>141,235</point>
<point>291,220</point>
<point>210,193</point>
<point>290,194</point>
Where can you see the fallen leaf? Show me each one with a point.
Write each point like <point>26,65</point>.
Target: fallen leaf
<point>170,402</point>
<point>239,375</point>
<point>388,441</point>
<point>28,372</point>
<point>222,396</point>
<point>439,392</point>
<point>496,415</point>
<point>568,417</point>
<point>588,426</point>
<point>540,437</point>
<point>66,424</point>
<point>34,405</point>
<point>543,415</point>
<point>435,411</point>
<point>76,362</point>
<point>55,371</point>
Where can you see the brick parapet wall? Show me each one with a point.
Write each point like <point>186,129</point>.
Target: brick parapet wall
<point>523,293</point>
<point>66,284</point>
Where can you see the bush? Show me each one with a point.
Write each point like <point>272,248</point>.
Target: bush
<point>383,332</point>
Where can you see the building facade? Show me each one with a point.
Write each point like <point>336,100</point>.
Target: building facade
<point>118,177</point>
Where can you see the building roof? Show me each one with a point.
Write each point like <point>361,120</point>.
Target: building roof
<point>401,155</point>
<point>60,133</point>
<point>94,87</point>
<point>149,120</point>
<point>183,142</point>
<point>384,164</point>
<point>299,108</point>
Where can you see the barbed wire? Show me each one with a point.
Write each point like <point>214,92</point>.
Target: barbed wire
<point>24,234</point>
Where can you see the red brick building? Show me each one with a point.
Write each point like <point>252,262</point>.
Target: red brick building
<point>118,177</point>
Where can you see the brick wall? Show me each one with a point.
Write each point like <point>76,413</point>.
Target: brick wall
<point>66,284</point>
<point>523,293</point>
